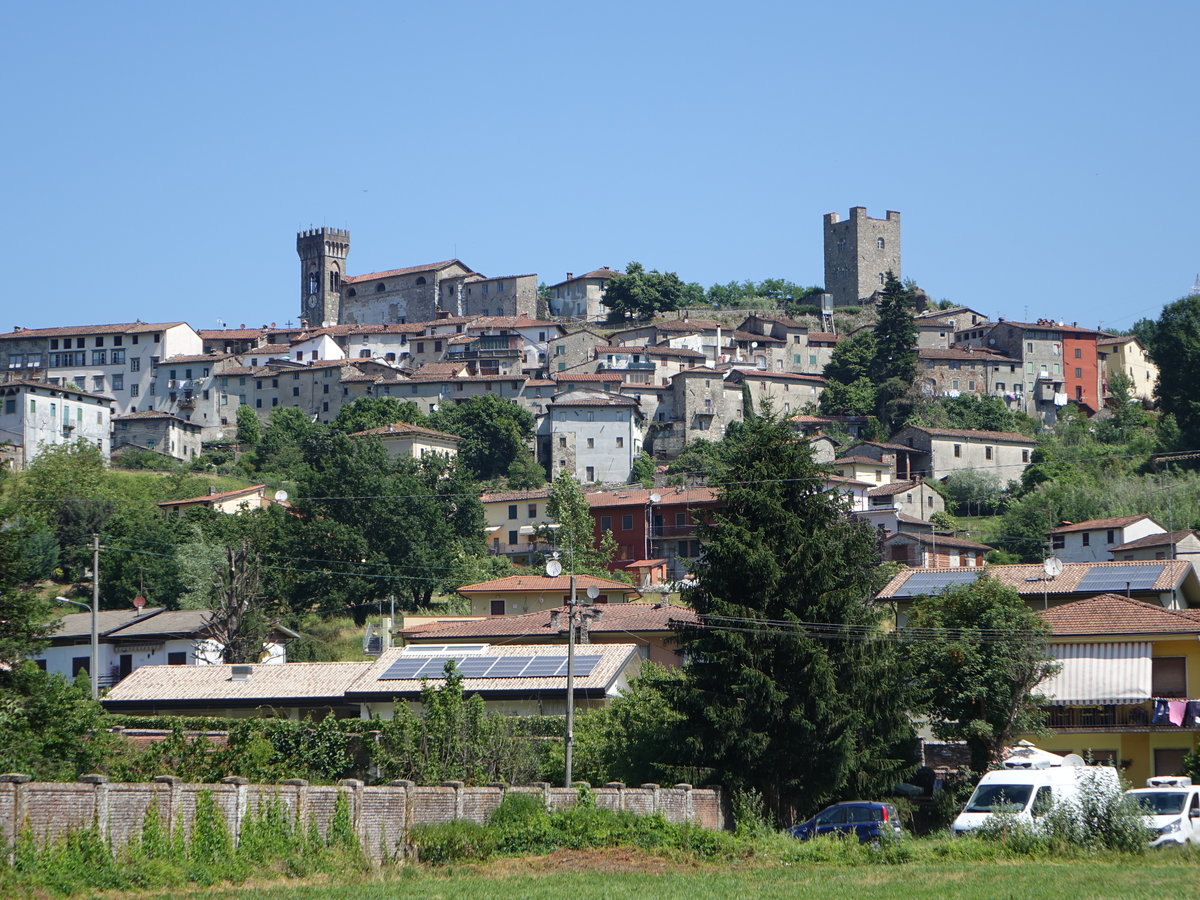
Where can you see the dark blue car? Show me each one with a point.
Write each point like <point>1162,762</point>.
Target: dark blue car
<point>869,821</point>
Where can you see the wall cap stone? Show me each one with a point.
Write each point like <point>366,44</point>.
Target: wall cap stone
<point>614,784</point>
<point>15,778</point>
<point>295,782</point>
<point>92,779</point>
<point>167,779</point>
<point>234,779</point>
<point>497,784</point>
<point>457,785</point>
<point>350,783</point>
<point>402,782</point>
<point>651,785</point>
<point>683,786</point>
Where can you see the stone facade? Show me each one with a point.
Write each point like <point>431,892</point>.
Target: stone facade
<point>322,253</point>
<point>158,431</point>
<point>414,294</point>
<point>512,295</point>
<point>579,297</point>
<point>858,252</point>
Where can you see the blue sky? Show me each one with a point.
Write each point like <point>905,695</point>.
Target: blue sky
<point>160,157</point>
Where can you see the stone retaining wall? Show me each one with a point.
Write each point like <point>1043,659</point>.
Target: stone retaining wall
<point>381,815</point>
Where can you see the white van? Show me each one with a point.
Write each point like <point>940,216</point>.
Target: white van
<point>1172,805</point>
<point>1030,786</point>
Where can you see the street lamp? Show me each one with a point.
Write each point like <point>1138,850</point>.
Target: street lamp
<point>94,668</point>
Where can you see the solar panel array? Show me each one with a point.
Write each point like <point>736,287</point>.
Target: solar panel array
<point>1115,578</point>
<point>932,582</point>
<point>413,668</point>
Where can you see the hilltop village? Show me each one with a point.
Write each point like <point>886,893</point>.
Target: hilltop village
<point>588,422</point>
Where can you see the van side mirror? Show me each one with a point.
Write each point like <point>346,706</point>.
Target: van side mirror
<point>1194,812</point>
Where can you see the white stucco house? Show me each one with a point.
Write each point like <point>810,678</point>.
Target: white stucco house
<point>1095,539</point>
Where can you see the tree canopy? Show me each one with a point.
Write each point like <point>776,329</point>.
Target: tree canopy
<point>640,294</point>
<point>495,434</point>
<point>802,714</point>
<point>1175,347</point>
<point>980,654</point>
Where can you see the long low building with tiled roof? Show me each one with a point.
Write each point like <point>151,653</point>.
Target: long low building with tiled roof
<point>529,593</point>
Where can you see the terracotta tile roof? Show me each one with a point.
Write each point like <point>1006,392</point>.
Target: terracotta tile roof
<point>593,398</point>
<point>1048,325</point>
<point>87,330</point>
<point>1029,579</point>
<point>748,336</point>
<point>483,322</point>
<point>897,487</point>
<point>216,498</point>
<point>842,479</point>
<point>1155,540</point>
<point>891,447</point>
<point>647,350</point>
<point>614,659</point>
<point>747,372</point>
<point>644,563</point>
<point>602,272</point>
<point>610,376</point>
<point>152,414</point>
<point>195,358</point>
<point>823,420</point>
<point>540,584</point>
<point>65,388</point>
<point>865,460</point>
<point>614,617</point>
<point>977,354</point>
<point>513,496</point>
<point>410,270</point>
<point>266,683</point>
<point>399,429</point>
<point>540,382</point>
<point>935,540</point>
<point>824,337</point>
<point>1115,614</point>
<point>240,334</point>
<point>641,496</point>
<point>782,320</point>
<point>1093,524</point>
<point>450,369</point>
<point>1008,436</point>
<point>1120,339</point>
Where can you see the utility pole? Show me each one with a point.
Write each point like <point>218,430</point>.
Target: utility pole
<point>95,617</point>
<point>569,746</point>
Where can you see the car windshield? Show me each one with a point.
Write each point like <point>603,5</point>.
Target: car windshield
<point>994,797</point>
<point>1162,803</point>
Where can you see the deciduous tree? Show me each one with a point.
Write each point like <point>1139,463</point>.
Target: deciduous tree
<point>638,294</point>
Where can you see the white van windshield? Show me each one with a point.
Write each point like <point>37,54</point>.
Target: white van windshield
<point>995,797</point>
<point>1162,803</point>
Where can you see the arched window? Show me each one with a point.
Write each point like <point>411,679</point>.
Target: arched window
<point>335,280</point>
<point>314,282</point>
<point>420,279</point>
<point>879,243</point>
<point>380,288</point>
<point>352,293</point>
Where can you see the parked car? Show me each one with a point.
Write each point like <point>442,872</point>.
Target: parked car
<point>869,821</point>
<point>1172,806</point>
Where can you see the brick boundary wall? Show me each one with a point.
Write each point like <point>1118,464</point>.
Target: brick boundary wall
<point>381,815</point>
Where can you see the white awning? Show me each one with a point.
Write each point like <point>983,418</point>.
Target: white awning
<point>526,529</point>
<point>1099,673</point>
<point>492,529</point>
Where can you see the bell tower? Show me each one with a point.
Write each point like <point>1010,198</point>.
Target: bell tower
<point>323,253</point>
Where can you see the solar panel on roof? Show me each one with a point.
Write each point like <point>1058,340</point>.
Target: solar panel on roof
<point>932,582</point>
<point>1116,578</point>
<point>476,666</point>
<point>545,666</point>
<point>509,666</point>
<point>584,665</point>
<point>402,669</point>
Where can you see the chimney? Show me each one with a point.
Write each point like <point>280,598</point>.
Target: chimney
<point>555,617</point>
<point>583,627</point>
<point>570,275</point>
<point>241,673</point>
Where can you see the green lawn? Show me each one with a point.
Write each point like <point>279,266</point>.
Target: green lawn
<point>1151,876</point>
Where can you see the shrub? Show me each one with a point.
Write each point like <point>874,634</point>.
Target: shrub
<point>457,841</point>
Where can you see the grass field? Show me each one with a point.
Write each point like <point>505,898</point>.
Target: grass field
<point>624,873</point>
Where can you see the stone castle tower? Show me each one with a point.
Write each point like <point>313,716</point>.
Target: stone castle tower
<point>857,254</point>
<point>323,253</point>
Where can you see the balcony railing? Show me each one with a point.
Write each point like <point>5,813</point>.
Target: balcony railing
<point>672,531</point>
<point>1107,716</point>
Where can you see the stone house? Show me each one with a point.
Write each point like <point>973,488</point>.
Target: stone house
<point>937,328</point>
<point>411,294</point>
<point>579,297</point>
<point>189,387</point>
<point>116,361</point>
<point>943,451</point>
<point>158,431</point>
<point>962,370</point>
<point>858,253</point>
<point>787,392</point>
<point>573,349</point>
<point>864,468</point>
<point>1095,539</point>
<point>594,435</point>
<point>507,295</point>
<point>933,550</point>
<point>227,502</point>
<point>912,498</point>
<point>35,415</point>
<point>901,458</point>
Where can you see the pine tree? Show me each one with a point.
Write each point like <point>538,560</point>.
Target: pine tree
<point>801,715</point>
<point>895,334</point>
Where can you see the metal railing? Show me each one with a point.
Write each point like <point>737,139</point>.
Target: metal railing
<point>1101,716</point>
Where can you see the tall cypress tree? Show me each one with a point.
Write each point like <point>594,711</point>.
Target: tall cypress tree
<point>801,714</point>
<point>895,334</point>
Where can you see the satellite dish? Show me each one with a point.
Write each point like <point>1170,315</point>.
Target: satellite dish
<point>1053,566</point>
<point>754,345</point>
<point>553,568</point>
<point>593,592</point>
<point>654,498</point>
<point>139,601</point>
<point>281,496</point>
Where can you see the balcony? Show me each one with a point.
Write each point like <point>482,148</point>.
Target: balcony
<point>1111,717</point>
<point>673,531</point>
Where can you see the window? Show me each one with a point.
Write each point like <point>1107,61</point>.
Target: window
<point>957,451</point>
<point>605,523</point>
<point>620,442</point>
<point>954,384</point>
<point>1087,539</point>
<point>380,288</point>
<point>97,383</point>
<point>1024,456</point>
<point>987,453</point>
<point>1078,353</point>
<point>134,390</point>
<point>532,510</point>
<point>1111,534</point>
<point>512,510</point>
<point>627,523</point>
<point>591,473</point>
<point>117,358</point>
<point>1058,541</point>
<point>177,658</point>
<point>496,607</point>
<point>98,357</point>
<point>591,442</point>
<point>512,537</point>
<point>420,346</point>
<point>879,243</point>
<point>1078,372</point>
<point>1168,676</point>
<point>10,406</point>
<point>99,342</point>
<point>562,440</point>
